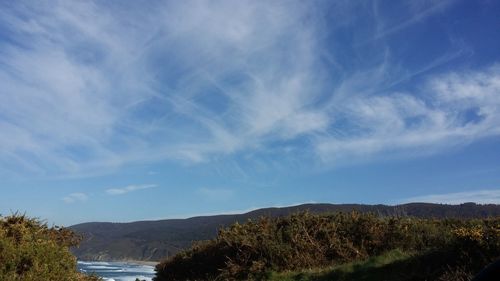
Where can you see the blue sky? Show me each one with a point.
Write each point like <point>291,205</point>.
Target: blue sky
<point>128,110</point>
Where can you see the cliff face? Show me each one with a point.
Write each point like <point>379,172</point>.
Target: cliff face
<point>155,240</point>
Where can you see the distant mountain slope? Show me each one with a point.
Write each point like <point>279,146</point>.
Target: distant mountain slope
<point>154,240</point>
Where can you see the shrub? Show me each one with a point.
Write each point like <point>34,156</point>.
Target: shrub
<point>300,241</point>
<point>31,251</point>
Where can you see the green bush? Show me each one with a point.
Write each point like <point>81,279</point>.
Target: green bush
<point>250,251</point>
<point>31,251</point>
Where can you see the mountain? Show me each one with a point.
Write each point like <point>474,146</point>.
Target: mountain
<point>155,240</point>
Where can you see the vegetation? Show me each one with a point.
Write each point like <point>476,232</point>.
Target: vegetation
<point>31,251</point>
<point>369,269</point>
<point>340,246</point>
<point>155,240</point>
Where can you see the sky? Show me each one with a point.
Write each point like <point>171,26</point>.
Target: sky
<point>133,110</point>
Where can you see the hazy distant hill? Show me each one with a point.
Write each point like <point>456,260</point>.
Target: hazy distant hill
<point>154,240</point>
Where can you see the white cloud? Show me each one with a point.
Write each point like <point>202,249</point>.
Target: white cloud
<point>75,197</point>
<point>97,87</point>
<point>453,109</point>
<point>491,196</point>
<point>88,88</point>
<point>130,188</point>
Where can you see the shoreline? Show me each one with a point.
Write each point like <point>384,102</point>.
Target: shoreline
<point>140,262</point>
<point>150,263</point>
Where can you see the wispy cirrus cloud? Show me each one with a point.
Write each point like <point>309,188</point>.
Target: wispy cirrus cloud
<point>488,196</point>
<point>90,87</point>
<point>418,11</point>
<point>451,110</point>
<point>75,197</point>
<point>129,188</point>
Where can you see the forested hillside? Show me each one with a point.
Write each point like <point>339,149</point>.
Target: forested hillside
<point>154,240</point>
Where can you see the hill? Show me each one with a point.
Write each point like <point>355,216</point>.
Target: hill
<point>155,240</point>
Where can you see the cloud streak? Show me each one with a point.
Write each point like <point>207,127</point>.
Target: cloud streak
<point>90,94</point>
<point>130,188</point>
<point>452,110</point>
<point>75,197</point>
<point>418,10</point>
<point>88,88</point>
<point>491,196</point>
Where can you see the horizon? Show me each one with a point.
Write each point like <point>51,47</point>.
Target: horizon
<point>129,110</point>
<point>243,212</point>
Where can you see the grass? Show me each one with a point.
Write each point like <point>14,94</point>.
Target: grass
<point>395,265</point>
<point>369,269</point>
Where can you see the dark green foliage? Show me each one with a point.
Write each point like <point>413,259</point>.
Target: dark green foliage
<point>31,251</point>
<point>154,240</point>
<point>250,251</point>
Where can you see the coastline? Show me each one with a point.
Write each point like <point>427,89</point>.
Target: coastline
<point>119,270</point>
<point>139,262</point>
<point>150,263</point>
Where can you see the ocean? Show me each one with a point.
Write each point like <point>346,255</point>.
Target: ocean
<point>117,271</point>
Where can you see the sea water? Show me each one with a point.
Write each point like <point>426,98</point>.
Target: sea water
<point>117,271</point>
